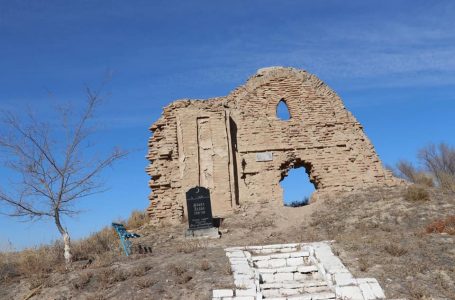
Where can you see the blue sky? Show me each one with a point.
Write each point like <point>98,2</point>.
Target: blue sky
<point>392,62</point>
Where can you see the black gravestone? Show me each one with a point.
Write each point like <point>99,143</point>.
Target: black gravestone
<point>199,208</point>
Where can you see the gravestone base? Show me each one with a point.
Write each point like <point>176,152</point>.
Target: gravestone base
<point>212,233</point>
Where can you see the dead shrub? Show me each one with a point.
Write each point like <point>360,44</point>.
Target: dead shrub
<point>82,280</point>
<point>407,171</point>
<point>298,203</point>
<point>190,246</point>
<point>37,280</point>
<point>181,273</point>
<point>177,270</point>
<point>205,265</point>
<point>111,276</point>
<point>416,193</point>
<point>440,161</point>
<point>363,264</point>
<point>446,225</point>
<point>41,260</point>
<point>96,245</point>
<point>227,269</point>
<point>141,270</point>
<point>8,267</point>
<point>395,249</point>
<point>137,219</point>
<point>143,283</point>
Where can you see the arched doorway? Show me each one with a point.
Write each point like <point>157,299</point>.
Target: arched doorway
<point>296,185</point>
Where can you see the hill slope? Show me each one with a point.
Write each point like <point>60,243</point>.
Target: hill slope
<point>377,232</point>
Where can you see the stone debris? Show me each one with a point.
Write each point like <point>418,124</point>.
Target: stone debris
<point>310,271</point>
<point>238,148</point>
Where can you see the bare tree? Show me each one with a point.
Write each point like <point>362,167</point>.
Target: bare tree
<point>407,171</point>
<point>440,161</point>
<point>50,170</point>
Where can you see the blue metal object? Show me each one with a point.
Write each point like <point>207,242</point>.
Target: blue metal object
<point>124,237</point>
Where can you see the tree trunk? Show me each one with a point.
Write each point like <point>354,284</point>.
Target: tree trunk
<point>66,239</point>
<point>68,256</point>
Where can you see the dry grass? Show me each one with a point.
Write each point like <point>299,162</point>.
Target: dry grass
<point>395,249</point>
<point>81,281</point>
<point>35,262</point>
<point>96,245</point>
<point>137,219</point>
<point>143,283</point>
<point>100,249</point>
<point>446,225</point>
<point>205,265</point>
<point>416,193</point>
<point>380,235</point>
<point>189,246</point>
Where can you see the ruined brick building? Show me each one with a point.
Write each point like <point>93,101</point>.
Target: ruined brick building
<point>238,148</point>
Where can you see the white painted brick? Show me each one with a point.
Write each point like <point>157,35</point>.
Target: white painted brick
<point>242,269</point>
<point>247,292</point>
<point>231,249</point>
<point>253,247</point>
<point>245,283</point>
<point>266,251</point>
<point>300,254</point>
<point>377,290</point>
<point>273,285</point>
<point>261,257</point>
<point>349,292</point>
<point>271,293</point>
<point>292,285</point>
<point>267,277</point>
<point>266,271</point>
<point>242,276</point>
<point>286,269</point>
<point>289,292</point>
<point>276,263</point>
<point>374,286</point>
<point>323,295</point>
<point>238,261</point>
<point>244,298</point>
<point>287,250</point>
<point>235,254</point>
<point>300,297</point>
<point>272,263</point>
<point>311,283</point>
<point>262,264</point>
<point>307,269</point>
<point>295,261</point>
<point>222,293</point>
<point>280,255</point>
<point>299,276</point>
<point>277,246</point>
<point>366,291</point>
<point>313,260</point>
<point>283,277</point>
<point>342,279</point>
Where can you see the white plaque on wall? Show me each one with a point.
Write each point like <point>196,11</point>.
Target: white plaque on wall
<point>264,156</point>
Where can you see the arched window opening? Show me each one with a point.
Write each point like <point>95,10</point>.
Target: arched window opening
<point>297,187</point>
<point>282,111</point>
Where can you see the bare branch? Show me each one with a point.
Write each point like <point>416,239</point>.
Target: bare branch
<point>53,171</point>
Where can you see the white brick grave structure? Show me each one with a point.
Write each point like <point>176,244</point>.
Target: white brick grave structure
<point>293,272</point>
